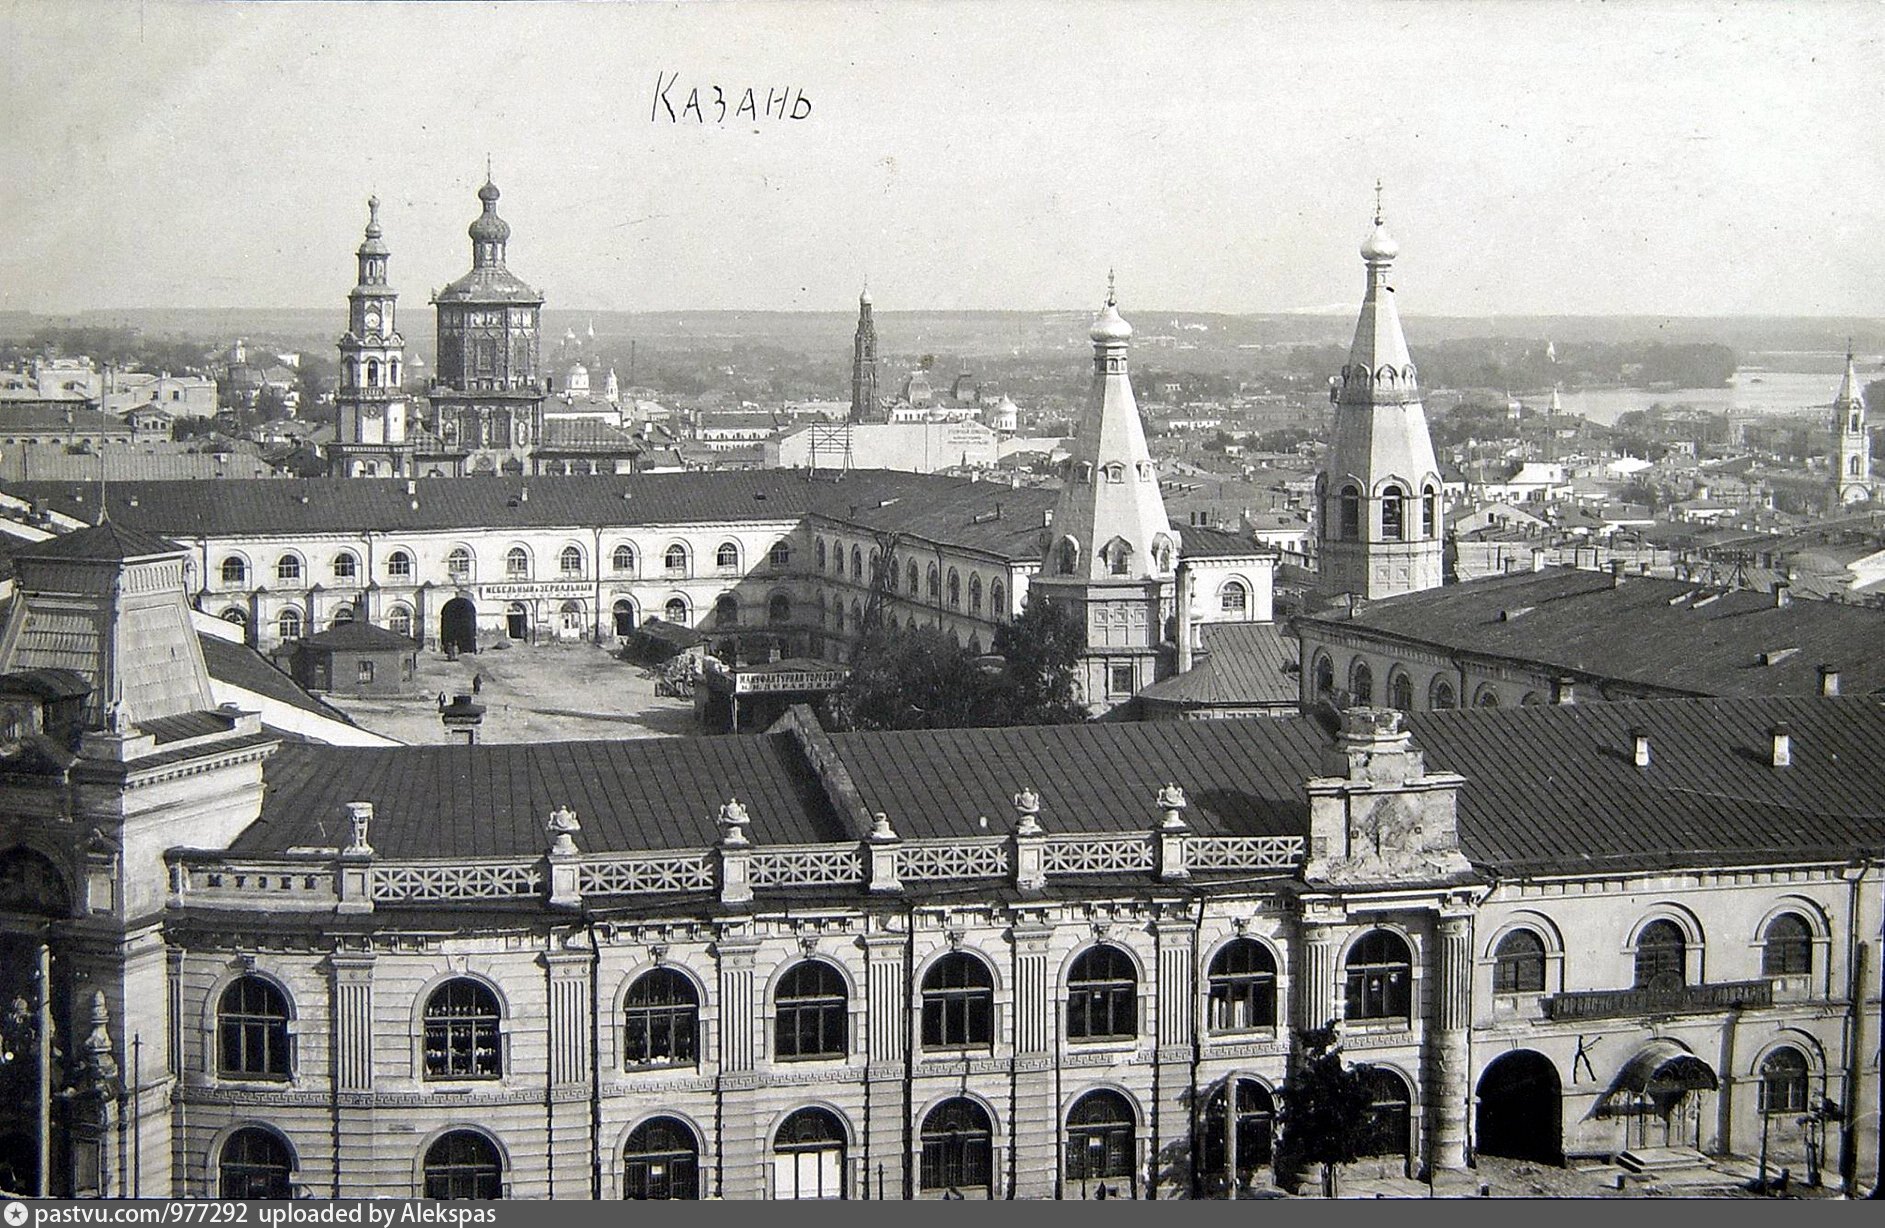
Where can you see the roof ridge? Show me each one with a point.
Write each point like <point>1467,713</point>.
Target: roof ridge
<point>828,769</point>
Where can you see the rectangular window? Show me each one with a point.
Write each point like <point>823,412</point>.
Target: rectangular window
<point>366,671</point>
<point>660,1035</point>
<point>1119,680</point>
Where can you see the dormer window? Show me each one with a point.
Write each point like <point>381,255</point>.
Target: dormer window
<point>1115,472</point>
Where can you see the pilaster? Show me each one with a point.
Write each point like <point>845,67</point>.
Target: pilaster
<point>1447,1050</point>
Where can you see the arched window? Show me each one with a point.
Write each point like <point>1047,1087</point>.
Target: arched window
<point>779,609</point>
<point>975,594</point>
<point>399,565</point>
<point>458,563</point>
<point>808,1156</point>
<point>998,600</point>
<point>958,1143</point>
<point>958,1003</point>
<point>1233,598</point>
<point>818,549</point>
<point>727,557</point>
<point>1784,1081</point>
<point>1518,965</point>
<point>517,563</point>
<point>675,560</point>
<point>1787,947</point>
<point>857,616</point>
<point>1385,1130</point>
<point>1233,1156</point>
<point>255,1163</point>
<point>661,1161</point>
<point>1069,556</point>
<point>461,1032</point>
<point>1324,676</point>
<point>1393,517</point>
<point>1243,987</point>
<point>876,565</point>
<point>781,555</point>
<point>1100,1138</point>
<point>346,566</point>
<point>1119,557</point>
<point>1661,956</point>
<point>675,611</point>
<point>343,614</point>
<point>1361,684</point>
<point>1487,698</point>
<point>1440,696</point>
<point>288,624</point>
<point>399,621</point>
<point>660,1020</point>
<point>252,1031</point>
<point>1348,508</point>
<point>1380,981</point>
<point>288,569</point>
<point>813,1016</point>
<point>857,563</point>
<point>837,616</point>
<point>235,571</point>
<point>570,562</point>
<point>726,610</point>
<point>234,614</point>
<point>1102,996</point>
<point>915,588</point>
<point>1429,513</point>
<point>623,560</point>
<point>1401,691</point>
<point>955,589</point>
<point>463,1164</point>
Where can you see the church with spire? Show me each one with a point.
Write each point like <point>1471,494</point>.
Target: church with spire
<point>370,440</point>
<point>487,391</point>
<point>1853,482</point>
<point>1379,517</point>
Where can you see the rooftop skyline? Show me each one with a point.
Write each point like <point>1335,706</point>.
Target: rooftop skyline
<point>1656,158</point>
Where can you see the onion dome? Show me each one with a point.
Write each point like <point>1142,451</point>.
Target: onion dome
<point>373,246</point>
<point>489,227</point>
<point>1379,247</point>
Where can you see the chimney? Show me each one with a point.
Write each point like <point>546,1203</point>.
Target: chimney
<point>1616,573</point>
<point>1829,682</point>
<point>1639,746</point>
<point>1183,620</point>
<point>412,487</point>
<point>1783,597</point>
<point>1564,690</point>
<point>523,494</point>
<point>1538,560</point>
<point>1783,745</point>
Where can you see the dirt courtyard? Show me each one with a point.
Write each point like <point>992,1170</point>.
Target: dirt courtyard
<point>547,693</point>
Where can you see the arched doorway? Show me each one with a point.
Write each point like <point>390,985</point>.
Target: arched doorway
<point>517,621</point>
<point>624,612</point>
<point>808,1156</point>
<point>1521,1115</point>
<point>1236,1149</point>
<point>570,620</point>
<point>458,626</point>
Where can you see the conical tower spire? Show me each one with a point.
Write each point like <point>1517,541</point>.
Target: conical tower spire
<point>1110,509</point>
<point>1379,505</point>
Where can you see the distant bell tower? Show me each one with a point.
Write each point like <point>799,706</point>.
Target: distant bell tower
<point>371,400</point>
<point>1109,556</point>
<point>1379,509</point>
<point>1852,444</point>
<point>864,362</point>
<point>487,392</point>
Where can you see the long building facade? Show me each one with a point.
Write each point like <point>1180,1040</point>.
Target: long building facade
<point>1003,963</point>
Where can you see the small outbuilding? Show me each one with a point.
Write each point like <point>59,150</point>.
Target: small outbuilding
<point>357,658</point>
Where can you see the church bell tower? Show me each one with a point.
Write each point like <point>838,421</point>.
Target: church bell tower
<point>371,437</point>
<point>1852,444</point>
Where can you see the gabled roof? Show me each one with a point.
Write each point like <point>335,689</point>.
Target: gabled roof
<point>360,635</point>
<point>1668,635</point>
<point>1245,665</point>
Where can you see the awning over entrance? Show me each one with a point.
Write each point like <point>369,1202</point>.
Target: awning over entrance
<point>1657,1075</point>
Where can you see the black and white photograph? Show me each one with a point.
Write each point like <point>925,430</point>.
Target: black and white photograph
<point>882,600</point>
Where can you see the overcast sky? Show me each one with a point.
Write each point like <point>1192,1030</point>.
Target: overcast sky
<point>1680,158</point>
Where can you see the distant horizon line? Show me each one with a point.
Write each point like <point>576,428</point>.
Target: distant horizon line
<point>1294,312</point>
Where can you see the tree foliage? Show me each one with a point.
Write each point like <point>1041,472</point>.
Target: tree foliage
<point>921,678</point>
<point>1323,1107</point>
